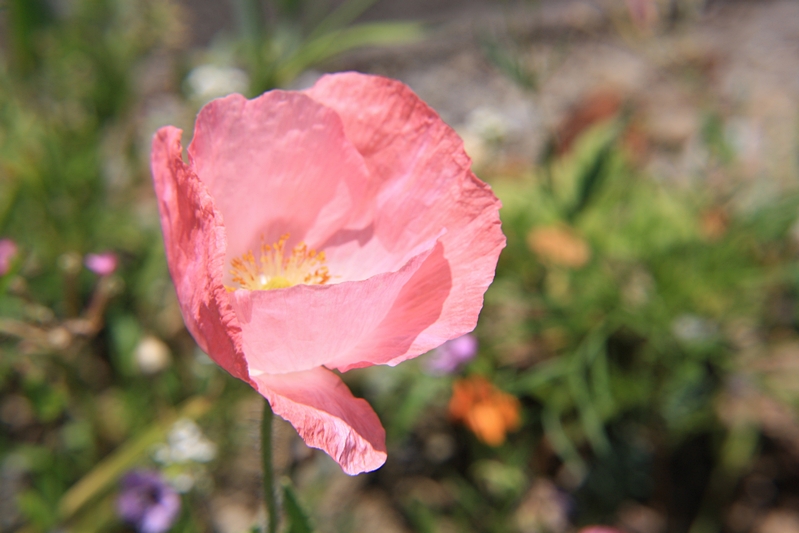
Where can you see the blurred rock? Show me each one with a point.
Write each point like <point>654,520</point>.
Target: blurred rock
<point>543,509</point>
<point>152,355</point>
<point>779,521</point>
<point>670,116</point>
<point>740,517</point>
<point>638,518</point>
<point>439,447</point>
<point>233,513</point>
<point>430,493</point>
<point>59,338</point>
<point>12,484</point>
<point>16,411</point>
<point>374,512</point>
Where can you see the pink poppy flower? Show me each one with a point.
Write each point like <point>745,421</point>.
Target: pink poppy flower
<point>335,228</point>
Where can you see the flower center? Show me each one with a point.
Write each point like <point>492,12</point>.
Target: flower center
<point>275,269</point>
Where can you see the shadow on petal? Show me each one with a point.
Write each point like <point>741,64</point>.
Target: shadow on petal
<point>327,416</point>
<point>416,308</point>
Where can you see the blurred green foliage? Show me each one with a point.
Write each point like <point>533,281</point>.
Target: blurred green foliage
<point>301,34</point>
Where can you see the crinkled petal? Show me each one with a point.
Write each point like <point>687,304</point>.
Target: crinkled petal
<point>194,238</point>
<point>277,164</point>
<point>327,416</point>
<point>306,326</point>
<point>418,306</point>
<point>425,184</point>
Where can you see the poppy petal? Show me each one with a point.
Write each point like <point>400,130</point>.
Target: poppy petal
<point>306,326</point>
<point>194,238</point>
<point>416,155</point>
<point>327,416</point>
<point>278,164</point>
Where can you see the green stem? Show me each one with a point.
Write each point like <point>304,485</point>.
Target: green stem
<point>254,34</point>
<point>251,20</point>
<point>269,473</point>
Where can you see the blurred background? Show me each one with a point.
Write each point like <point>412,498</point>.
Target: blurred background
<point>636,363</point>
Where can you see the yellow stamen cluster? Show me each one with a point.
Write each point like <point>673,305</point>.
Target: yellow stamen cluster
<point>276,270</point>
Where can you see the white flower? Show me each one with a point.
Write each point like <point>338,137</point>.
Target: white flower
<point>185,443</point>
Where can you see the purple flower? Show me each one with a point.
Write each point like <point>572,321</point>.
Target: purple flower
<point>147,503</point>
<point>101,264</point>
<point>8,249</point>
<point>447,358</point>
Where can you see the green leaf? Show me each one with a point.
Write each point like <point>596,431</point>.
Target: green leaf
<point>341,17</point>
<point>509,62</point>
<point>297,516</point>
<point>288,9</point>
<point>591,421</point>
<point>338,42</point>
<point>251,20</point>
<point>125,334</point>
<point>591,176</point>
<point>25,19</point>
<point>538,376</point>
<point>37,510</point>
<point>562,444</point>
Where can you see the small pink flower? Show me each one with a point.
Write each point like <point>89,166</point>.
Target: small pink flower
<point>8,249</point>
<point>335,228</point>
<point>101,264</point>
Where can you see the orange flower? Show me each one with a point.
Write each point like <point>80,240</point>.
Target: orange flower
<point>484,409</point>
<point>559,245</point>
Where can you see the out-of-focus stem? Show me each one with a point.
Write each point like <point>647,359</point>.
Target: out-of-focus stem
<point>251,19</point>
<point>268,470</point>
<point>61,336</point>
<point>22,330</point>
<point>109,470</point>
<point>253,32</point>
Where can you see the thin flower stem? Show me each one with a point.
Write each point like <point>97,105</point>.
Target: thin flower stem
<point>269,473</point>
